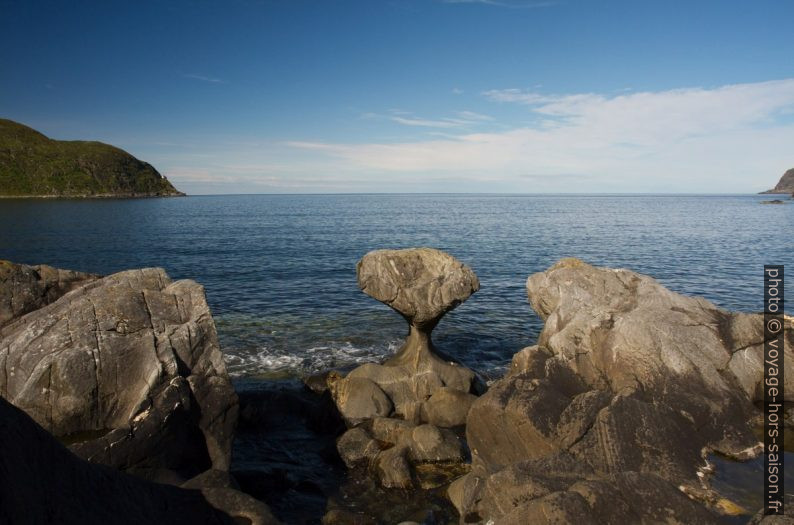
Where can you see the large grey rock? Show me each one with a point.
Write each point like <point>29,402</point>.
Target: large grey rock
<point>621,330</point>
<point>41,482</point>
<point>627,377</point>
<point>128,370</point>
<point>26,288</point>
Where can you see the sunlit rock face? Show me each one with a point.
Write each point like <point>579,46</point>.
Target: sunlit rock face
<point>629,388</point>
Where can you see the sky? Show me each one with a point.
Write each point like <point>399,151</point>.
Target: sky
<point>514,96</point>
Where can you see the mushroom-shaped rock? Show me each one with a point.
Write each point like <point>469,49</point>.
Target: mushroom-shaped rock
<point>421,284</point>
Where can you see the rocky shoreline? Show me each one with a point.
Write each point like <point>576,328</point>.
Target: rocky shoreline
<point>784,185</point>
<point>118,385</point>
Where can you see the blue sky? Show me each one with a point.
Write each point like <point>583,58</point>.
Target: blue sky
<point>272,96</point>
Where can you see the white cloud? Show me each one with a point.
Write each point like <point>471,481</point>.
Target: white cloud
<point>405,118</point>
<point>730,138</point>
<point>203,78</point>
<point>427,123</point>
<point>471,116</point>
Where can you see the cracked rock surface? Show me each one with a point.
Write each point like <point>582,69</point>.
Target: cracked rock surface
<point>629,387</point>
<point>127,371</point>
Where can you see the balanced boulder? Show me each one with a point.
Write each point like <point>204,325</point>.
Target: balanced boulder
<point>421,284</point>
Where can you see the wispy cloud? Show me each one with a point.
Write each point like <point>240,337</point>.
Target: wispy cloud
<point>471,116</point>
<point>693,139</point>
<point>427,123</point>
<point>512,4</point>
<point>460,119</point>
<point>203,78</point>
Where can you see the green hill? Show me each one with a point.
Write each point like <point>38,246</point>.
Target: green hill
<point>36,166</point>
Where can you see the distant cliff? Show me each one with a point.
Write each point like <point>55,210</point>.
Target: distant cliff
<point>785,185</point>
<point>32,165</point>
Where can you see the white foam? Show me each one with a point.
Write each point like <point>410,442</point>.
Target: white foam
<point>266,360</point>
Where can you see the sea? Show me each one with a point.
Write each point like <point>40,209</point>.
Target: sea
<point>280,272</point>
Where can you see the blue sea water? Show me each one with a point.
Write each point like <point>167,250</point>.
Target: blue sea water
<point>279,273</point>
<point>279,270</point>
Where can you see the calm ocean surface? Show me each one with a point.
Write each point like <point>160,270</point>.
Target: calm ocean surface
<point>279,271</point>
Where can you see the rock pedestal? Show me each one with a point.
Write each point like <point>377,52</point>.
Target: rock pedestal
<point>421,284</point>
<point>402,409</point>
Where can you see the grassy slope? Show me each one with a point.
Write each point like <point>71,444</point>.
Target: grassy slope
<point>33,165</point>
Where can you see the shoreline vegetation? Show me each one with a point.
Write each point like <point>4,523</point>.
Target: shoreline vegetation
<point>35,166</point>
<point>602,420</point>
<point>98,196</point>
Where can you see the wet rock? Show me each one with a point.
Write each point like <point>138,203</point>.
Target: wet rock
<point>128,370</point>
<point>242,507</point>
<point>211,478</point>
<point>318,383</point>
<point>355,446</point>
<point>346,517</point>
<point>221,490</point>
<point>359,398</point>
<point>26,288</point>
<point>393,468</point>
<point>85,493</point>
